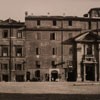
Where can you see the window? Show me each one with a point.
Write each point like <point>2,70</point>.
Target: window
<point>52,36</point>
<point>37,64</point>
<point>4,66</point>
<point>4,51</point>
<point>70,23</point>
<point>53,64</point>
<point>37,51</point>
<point>54,23</point>
<point>54,51</point>
<point>18,66</point>
<point>38,36</point>
<point>18,51</point>
<point>38,22</point>
<point>19,34</point>
<point>5,34</point>
<point>89,49</point>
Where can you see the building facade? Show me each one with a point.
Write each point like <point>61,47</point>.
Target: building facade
<point>48,59</point>
<point>51,48</point>
<point>12,55</point>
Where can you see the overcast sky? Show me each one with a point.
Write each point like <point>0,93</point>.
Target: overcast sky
<point>16,8</point>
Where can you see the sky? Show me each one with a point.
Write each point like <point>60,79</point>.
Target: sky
<point>15,9</point>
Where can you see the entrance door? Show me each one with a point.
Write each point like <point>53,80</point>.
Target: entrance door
<point>19,78</point>
<point>5,78</point>
<point>54,75</point>
<point>90,72</point>
<point>28,76</point>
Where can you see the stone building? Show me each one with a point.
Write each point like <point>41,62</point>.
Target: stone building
<point>12,55</point>
<point>51,56</point>
<point>51,48</point>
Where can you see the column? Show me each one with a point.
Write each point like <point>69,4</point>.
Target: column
<point>79,74</point>
<point>1,77</point>
<point>95,72</point>
<point>25,76</point>
<point>49,77</point>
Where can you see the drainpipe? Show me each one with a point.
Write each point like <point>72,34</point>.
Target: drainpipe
<point>10,51</point>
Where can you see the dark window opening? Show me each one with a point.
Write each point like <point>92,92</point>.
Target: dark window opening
<point>70,23</point>
<point>37,64</point>
<point>37,51</point>
<point>38,22</point>
<point>54,23</point>
<point>5,34</point>
<point>54,51</point>
<point>18,51</point>
<point>4,66</point>
<point>18,66</point>
<point>52,36</point>
<point>53,64</point>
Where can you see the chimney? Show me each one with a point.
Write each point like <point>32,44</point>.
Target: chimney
<point>26,13</point>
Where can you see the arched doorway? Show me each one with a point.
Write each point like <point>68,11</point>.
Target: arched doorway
<point>28,76</point>
<point>37,75</point>
<point>54,75</point>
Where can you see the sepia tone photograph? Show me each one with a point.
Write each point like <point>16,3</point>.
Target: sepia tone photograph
<point>50,50</point>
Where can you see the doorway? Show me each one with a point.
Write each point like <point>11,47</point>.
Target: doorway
<point>37,75</point>
<point>90,72</point>
<point>5,78</point>
<point>28,76</point>
<point>19,78</point>
<point>54,75</point>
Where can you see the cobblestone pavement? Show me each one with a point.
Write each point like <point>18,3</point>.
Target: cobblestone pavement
<point>50,87</point>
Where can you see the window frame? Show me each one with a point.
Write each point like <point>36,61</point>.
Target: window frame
<point>54,23</point>
<point>18,68</point>
<point>5,32</point>
<point>52,36</point>
<point>21,34</point>
<point>3,53</point>
<point>3,66</point>
<point>38,22</point>
<point>20,54</point>
<point>37,64</point>
<point>70,23</point>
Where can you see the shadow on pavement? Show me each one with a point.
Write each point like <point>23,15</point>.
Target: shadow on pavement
<point>8,96</point>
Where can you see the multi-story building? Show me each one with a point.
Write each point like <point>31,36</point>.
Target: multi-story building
<point>51,48</point>
<point>12,55</point>
<point>51,53</point>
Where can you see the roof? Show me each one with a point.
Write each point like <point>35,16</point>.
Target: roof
<point>31,17</point>
<point>88,36</point>
<point>11,23</point>
<point>97,9</point>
